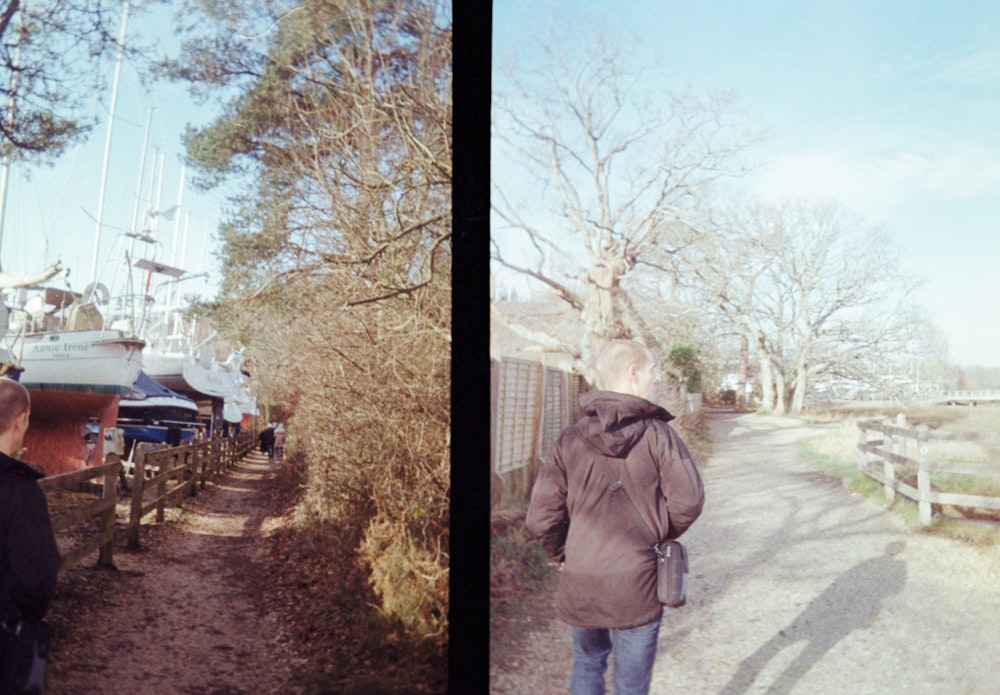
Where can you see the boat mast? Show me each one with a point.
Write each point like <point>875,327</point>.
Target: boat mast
<point>107,140</point>
<point>134,227</point>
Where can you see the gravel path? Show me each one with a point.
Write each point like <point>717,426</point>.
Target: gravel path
<point>798,586</point>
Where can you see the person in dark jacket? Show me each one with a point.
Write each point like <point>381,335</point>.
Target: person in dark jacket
<point>607,587</point>
<point>29,558</point>
<point>266,440</point>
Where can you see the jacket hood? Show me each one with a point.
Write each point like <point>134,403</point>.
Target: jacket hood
<point>613,423</point>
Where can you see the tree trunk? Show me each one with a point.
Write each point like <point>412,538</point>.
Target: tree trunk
<point>781,406</point>
<point>766,382</point>
<point>602,310</point>
<point>801,386</point>
<point>744,369</point>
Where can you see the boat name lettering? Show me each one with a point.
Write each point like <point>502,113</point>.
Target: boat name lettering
<point>63,347</point>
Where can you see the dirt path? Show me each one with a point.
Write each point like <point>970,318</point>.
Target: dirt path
<point>178,616</point>
<point>800,587</point>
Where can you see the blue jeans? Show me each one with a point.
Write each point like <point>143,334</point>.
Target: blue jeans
<point>634,652</point>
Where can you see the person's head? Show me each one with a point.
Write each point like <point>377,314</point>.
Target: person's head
<point>628,367</point>
<point>15,409</point>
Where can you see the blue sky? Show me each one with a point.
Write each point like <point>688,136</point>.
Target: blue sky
<point>889,107</point>
<point>51,211</point>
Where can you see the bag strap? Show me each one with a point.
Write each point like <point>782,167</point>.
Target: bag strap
<point>619,492</point>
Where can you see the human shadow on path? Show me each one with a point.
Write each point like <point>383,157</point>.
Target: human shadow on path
<point>852,602</point>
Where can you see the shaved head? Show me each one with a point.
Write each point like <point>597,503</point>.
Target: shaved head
<point>14,401</point>
<point>614,361</point>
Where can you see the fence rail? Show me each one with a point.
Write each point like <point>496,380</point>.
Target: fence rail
<point>176,471</point>
<point>103,508</point>
<point>897,456</point>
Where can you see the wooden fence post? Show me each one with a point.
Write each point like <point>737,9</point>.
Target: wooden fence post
<point>161,491</point>
<point>203,465</point>
<point>923,477</point>
<point>888,468</point>
<point>901,442</point>
<point>138,487</point>
<point>104,557</point>
<point>862,441</point>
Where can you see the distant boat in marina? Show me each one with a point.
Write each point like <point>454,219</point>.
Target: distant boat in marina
<point>179,354</point>
<point>149,411</point>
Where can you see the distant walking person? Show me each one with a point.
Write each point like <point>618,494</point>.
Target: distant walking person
<point>607,588</point>
<point>173,437</point>
<point>266,440</point>
<point>29,558</point>
<point>279,441</point>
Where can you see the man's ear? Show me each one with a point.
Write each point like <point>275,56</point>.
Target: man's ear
<point>632,371</point>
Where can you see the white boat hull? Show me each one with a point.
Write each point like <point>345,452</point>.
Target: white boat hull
<point>75,379</point>
<point>90,361</point>
<point>185,374</point>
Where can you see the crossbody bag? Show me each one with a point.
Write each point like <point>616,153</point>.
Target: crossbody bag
<point>671,555</point>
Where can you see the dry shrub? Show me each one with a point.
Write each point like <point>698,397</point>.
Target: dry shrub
<point>411,582</point>
<point>368,390</point>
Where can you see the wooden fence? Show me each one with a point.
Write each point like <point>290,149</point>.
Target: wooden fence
<point>160,477</point>
<point>903,451</point>
<point>530,404</point>
<point>102,508</point>
<point>169,474</point>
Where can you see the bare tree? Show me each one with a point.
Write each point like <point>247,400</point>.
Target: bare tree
<point>620,170</point>
<point>814,291</point>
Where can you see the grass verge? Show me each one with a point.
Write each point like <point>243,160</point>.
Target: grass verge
<point>835,454</point>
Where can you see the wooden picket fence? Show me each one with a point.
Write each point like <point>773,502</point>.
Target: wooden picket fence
<point>158,478</point>
<point>903,450</point>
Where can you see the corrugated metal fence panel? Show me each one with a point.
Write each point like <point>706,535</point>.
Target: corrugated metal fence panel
<point>516,416</point>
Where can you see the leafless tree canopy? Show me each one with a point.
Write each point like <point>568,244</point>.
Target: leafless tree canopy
<point>603,191</point>
<point>623,174</point>
<point>812,288</point>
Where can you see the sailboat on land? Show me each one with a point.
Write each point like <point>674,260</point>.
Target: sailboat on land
<point>76,370</point>
<point>150,411</point>
<point>180,349</point>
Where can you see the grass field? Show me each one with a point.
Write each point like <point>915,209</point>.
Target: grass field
<point>836,452</point>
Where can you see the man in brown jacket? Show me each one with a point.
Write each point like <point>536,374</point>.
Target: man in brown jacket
<point>607,588</point>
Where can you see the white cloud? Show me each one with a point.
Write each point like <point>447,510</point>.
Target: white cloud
<point>981,67</point>
<point>873,184</point>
